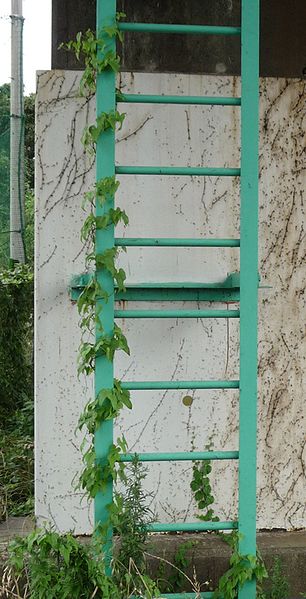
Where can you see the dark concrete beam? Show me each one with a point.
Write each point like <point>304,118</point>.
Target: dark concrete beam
<point>283,40</point>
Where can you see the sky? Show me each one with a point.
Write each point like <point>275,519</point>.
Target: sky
<point>37,40</point>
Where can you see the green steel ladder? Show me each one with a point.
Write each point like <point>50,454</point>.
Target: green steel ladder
<point>245,290</point>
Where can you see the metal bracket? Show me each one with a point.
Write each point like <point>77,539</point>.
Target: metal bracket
<point>225,291</point>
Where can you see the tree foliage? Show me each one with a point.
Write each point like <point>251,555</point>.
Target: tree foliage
<point>29,132</point>
<point>29,140</point>
<point>16,328</point>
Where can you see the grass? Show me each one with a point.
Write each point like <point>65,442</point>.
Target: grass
<point>17,463</point>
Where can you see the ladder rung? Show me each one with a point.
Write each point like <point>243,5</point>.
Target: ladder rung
<point>222,291</point>
<point>205,595</point>
<point>232,281</point>
<point>185,526</point>
<point>183,595</point>
<point>171,294</point>
<point>178,170</point>
<point>181,29</point>
<point>151,385</point>
<point>174,242</point>
<point>177,313</point>
<point>159,99</point>
<point>181,456</point>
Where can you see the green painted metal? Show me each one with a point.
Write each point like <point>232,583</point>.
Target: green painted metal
<point>184,171</point>
<point>151,385</point>
<point>175,242</point>
<point>159,99</point>
<point>180,29</point>
<point>225,291</point>
<point>176,313</point>
<point>248,284</point>
<point>232,289</point>
<point>105,167</point>
<point>205,595</point>
<point>181,456</point>
<point>191,526</point>
<point>182,293</point>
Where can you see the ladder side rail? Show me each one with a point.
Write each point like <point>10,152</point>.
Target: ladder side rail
<point>248,284</point>
<point>105,167</point>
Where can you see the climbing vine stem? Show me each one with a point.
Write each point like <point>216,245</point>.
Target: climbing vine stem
<point>94,52</point>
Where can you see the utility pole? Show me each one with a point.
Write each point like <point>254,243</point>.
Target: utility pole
<point>17,250</point>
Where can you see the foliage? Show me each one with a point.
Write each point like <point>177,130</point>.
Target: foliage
<point>16,282</point>
<point>4,172</point>
<point>98,223</point>
<point>98,55</point>
<point>4,103</point>
<point>277,586</point>
<point>104,121</point>
<point>17,462</point>
<point>176,580</point>
<point>29,141</point>
<point>29,226</point>
<point>104,346</point>
<point>181,561</point>
<point>16,308</point>
<point>201,487</point>
<point>96,473</point>
<point>29,136</point>
<point>107,261</point>
<point>16,333</point>
<point>242,569</point>
<point>16,391</point>
<point>95,53</point>
<point>56,566</point>
<point>130,516</point>
<point>105,406</point>
<point>103,190</point>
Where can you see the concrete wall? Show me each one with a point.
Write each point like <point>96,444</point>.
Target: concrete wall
<point>203,349</point>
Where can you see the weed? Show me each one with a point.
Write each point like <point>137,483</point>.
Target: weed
<point>130,516</point>
<point>17,463</point>
<point>48,565</point>
<point>52,566</point>
<point>175,581</point>
<point>277,586</point>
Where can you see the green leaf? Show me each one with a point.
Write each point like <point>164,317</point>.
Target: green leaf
<point>107,405</point>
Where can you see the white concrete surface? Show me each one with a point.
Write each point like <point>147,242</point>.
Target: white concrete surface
<point>171,349</point>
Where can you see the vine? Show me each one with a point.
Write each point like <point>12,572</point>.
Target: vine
<point>201,487</point>
<point>98,58</point>
<point>242,568</point>
<point>93,52</point>
<point>105,346</point>
<point>104,121</point>
<point>96,475</point>
<point>106,406</point>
